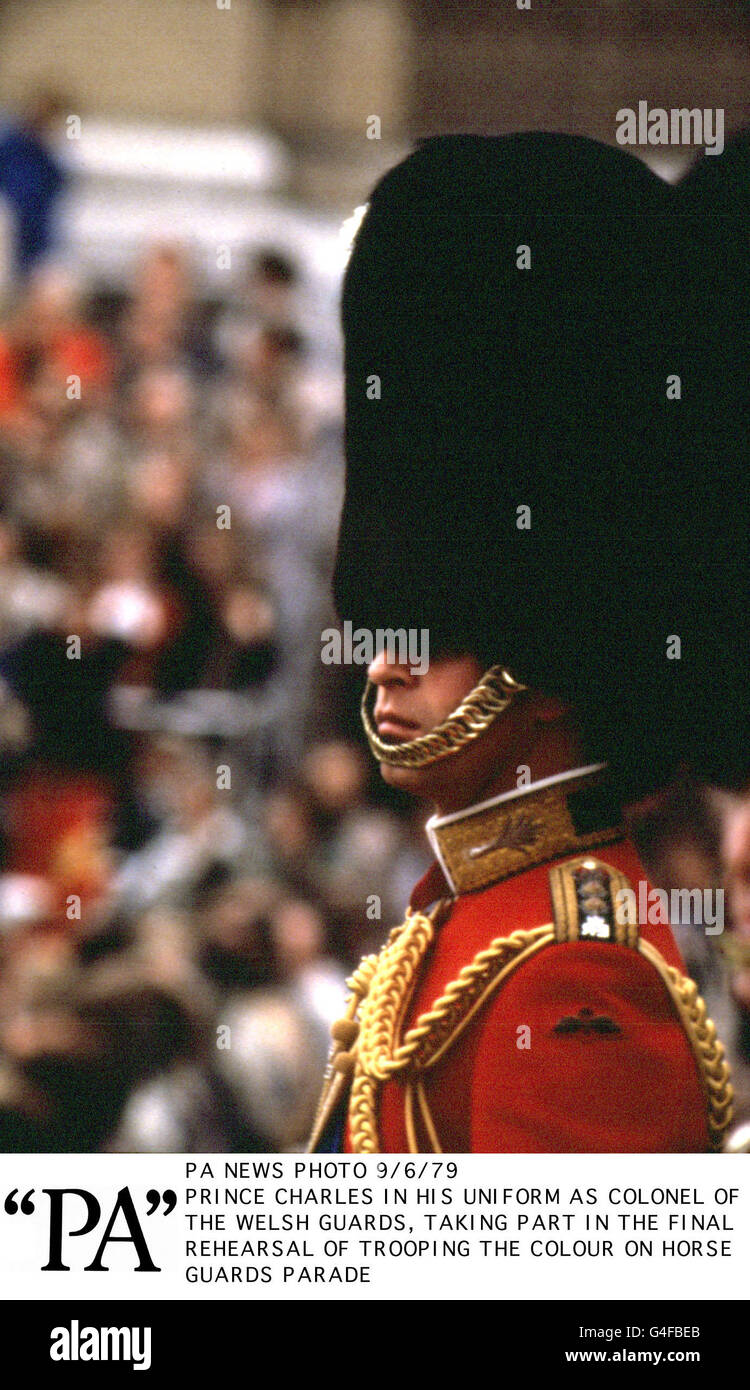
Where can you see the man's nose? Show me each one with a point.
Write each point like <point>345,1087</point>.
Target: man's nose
<point>383,671</point>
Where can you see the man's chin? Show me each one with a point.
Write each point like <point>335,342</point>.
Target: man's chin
<point>408,779</point>
<point>419,782</point>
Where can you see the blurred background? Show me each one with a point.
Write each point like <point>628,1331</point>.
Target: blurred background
<point>195,849</point>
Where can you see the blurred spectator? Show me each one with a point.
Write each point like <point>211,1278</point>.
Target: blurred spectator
<point>50,357</point>
<point>77,1037</point>
<point>162,323</point>
<point>272,286</point>
<point>691,838</point>
<point>32,176</point>
<point>362,857</point>
<point>268,294</point>
<point>736,944</point>
<point>196,828</point>
<point>736,847</point>
<point>162,406</point>
<point>278,1037</point>
<point>30,597</point>
<point>678,836</point>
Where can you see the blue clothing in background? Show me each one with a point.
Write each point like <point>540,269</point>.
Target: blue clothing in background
<point>31,179</point>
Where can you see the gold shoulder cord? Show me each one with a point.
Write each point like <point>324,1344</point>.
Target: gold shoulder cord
<point>379,1055</point>
<point>707,1049</point>
<point>383,988</point>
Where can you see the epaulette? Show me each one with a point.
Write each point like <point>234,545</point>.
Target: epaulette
<point>591,901</point>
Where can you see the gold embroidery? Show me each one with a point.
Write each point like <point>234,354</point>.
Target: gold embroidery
<point>493,843</point>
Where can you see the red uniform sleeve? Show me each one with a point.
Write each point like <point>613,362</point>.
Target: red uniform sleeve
<point>582,1051</point>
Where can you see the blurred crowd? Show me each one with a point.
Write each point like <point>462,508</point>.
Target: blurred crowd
<point>194,849</point>
<point>697,840</point>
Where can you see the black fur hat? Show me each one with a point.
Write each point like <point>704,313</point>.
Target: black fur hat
<point>520,478</point>
<point>713,201</point>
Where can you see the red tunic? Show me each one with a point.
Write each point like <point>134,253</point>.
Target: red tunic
<point>633,1089</point>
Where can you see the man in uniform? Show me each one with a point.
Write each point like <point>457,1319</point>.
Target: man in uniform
<point>519,485</point>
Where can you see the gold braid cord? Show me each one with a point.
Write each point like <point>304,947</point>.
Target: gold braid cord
<point>379,1053</point>
<point>380,1015</point>
<point>481,707</point>
<point>389,981</point>
<point>707,1049</point>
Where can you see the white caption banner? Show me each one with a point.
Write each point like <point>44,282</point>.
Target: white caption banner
<point>297,1227</point>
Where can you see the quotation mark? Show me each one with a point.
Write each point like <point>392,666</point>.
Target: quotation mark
<point>153,1198</point>
<point>26,1204</point>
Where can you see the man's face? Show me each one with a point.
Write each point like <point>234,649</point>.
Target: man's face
<point>409,705</point>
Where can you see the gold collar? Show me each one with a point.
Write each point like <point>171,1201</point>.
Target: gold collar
<point>566,814</point>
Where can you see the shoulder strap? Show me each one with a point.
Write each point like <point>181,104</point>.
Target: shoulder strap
<point>591,901</point>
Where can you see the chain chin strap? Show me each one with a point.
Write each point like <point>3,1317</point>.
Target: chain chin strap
<point>482,705</point>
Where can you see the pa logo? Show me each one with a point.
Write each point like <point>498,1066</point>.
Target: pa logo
<point>68,1204</point>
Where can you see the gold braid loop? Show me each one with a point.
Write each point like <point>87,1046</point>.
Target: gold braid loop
<point>380,1016</point>
<point>382,1013</point>
<point>707,1049</point>
<point>390,990</point>
<point>476,712</point>
<point>450,1013</point>
<point>359,982</point>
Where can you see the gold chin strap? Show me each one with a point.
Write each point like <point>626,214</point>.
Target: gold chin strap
<point>474,715</point>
